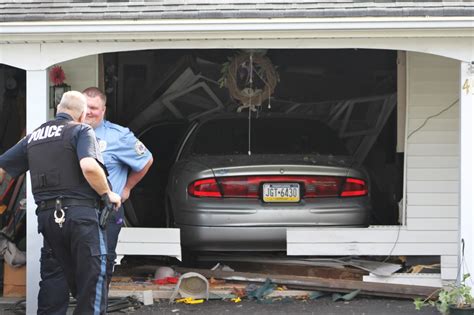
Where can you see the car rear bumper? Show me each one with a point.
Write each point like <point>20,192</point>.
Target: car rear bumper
<point>248,213</point>
<point>250,225</point>
<point>207,238</point>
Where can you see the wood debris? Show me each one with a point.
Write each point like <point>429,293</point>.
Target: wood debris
<point>321,284</point>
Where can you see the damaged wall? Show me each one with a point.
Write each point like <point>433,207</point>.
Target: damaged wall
<point>432,172</point>
<point>432,153</point>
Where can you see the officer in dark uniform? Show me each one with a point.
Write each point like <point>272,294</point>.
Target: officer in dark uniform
<point>127,161</point>
<point>68,180</point>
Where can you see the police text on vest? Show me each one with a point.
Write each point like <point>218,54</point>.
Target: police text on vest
<point>46,132</point>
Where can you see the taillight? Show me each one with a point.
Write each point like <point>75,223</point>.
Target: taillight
<point>204,188</point>
<point>354,187</point>
<point>248,186</point>
<point>239,187</point>
<point>322,186</point>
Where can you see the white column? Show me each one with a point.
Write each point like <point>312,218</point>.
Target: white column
<point>466,217</point>
<point>36,114</point>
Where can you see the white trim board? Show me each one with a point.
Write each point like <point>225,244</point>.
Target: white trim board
<point>460,25</point>
<point>36,114</point>
<point>466,184</point>
<point>371,241</point>
<point>423,279</point>
<point>372,234</point>
<point>377,241</point>
<point>149,241</point>
<point>41,56</point>
<point>371,249</point>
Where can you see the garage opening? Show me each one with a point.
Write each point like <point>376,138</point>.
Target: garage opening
<point>160,93</point>
<point>12,106</point>
<point>12,190</point>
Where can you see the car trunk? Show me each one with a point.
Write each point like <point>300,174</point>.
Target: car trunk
<point>240,162</point>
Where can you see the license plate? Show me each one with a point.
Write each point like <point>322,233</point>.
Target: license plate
<point>280,192</point>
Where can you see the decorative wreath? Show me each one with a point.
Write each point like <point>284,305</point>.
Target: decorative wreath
<point>250,77</point>
<point>57,76</point>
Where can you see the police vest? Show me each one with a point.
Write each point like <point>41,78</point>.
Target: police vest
<point>53,160</point>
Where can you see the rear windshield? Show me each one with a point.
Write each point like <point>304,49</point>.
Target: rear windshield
<point>268,136</point>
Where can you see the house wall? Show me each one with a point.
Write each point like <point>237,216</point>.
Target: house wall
<point>432,178</point>
<point>82,72</point>
<point>432,152</point>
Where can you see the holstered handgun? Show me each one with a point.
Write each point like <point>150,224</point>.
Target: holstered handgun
<point>108,208</point>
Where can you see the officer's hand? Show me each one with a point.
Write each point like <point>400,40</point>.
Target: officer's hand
<point>125,194</point>
<point>115,199</point>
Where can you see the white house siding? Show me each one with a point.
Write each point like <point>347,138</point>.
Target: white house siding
<point>432,178</point>
<point>82,72</point>
<point>432,155</point>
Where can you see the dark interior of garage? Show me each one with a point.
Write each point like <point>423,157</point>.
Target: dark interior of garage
<point>12,106</point>
<point>12,190</point>
<point>157,93</point>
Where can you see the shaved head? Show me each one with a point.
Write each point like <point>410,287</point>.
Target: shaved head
<point>95,92</point>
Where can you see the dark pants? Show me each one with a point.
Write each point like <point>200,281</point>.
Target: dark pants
<point>53,297</point>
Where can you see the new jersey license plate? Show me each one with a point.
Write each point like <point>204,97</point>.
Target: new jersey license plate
<point>281,192</point>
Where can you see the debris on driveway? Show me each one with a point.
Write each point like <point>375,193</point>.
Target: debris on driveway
<point>321,284</point>
<point>278,284</point>
<point>375,267</point>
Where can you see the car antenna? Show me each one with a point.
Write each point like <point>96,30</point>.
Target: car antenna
<point>250,104</point>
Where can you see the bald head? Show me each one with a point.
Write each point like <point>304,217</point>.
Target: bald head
<point>73,103</point>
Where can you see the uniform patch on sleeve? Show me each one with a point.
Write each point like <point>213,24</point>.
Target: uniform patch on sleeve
<point>140,148</point>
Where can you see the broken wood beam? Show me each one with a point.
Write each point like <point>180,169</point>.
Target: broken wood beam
<point>165,294</point>
<point>321,284</point>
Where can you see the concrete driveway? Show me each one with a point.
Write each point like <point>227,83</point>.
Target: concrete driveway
<point>360,305</point>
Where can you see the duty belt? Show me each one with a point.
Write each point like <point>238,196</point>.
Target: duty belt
<point>68,202</point>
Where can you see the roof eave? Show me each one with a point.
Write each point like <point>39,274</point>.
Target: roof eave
<point>214,28</point>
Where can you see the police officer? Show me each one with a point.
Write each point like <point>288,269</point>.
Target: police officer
<point>127,161</point>
<point>126,158</point>
<point>68,181</point>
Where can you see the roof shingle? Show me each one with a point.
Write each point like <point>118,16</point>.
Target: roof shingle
<point>68,10</point>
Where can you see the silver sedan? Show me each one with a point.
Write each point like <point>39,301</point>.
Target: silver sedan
<point>239,183</point>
